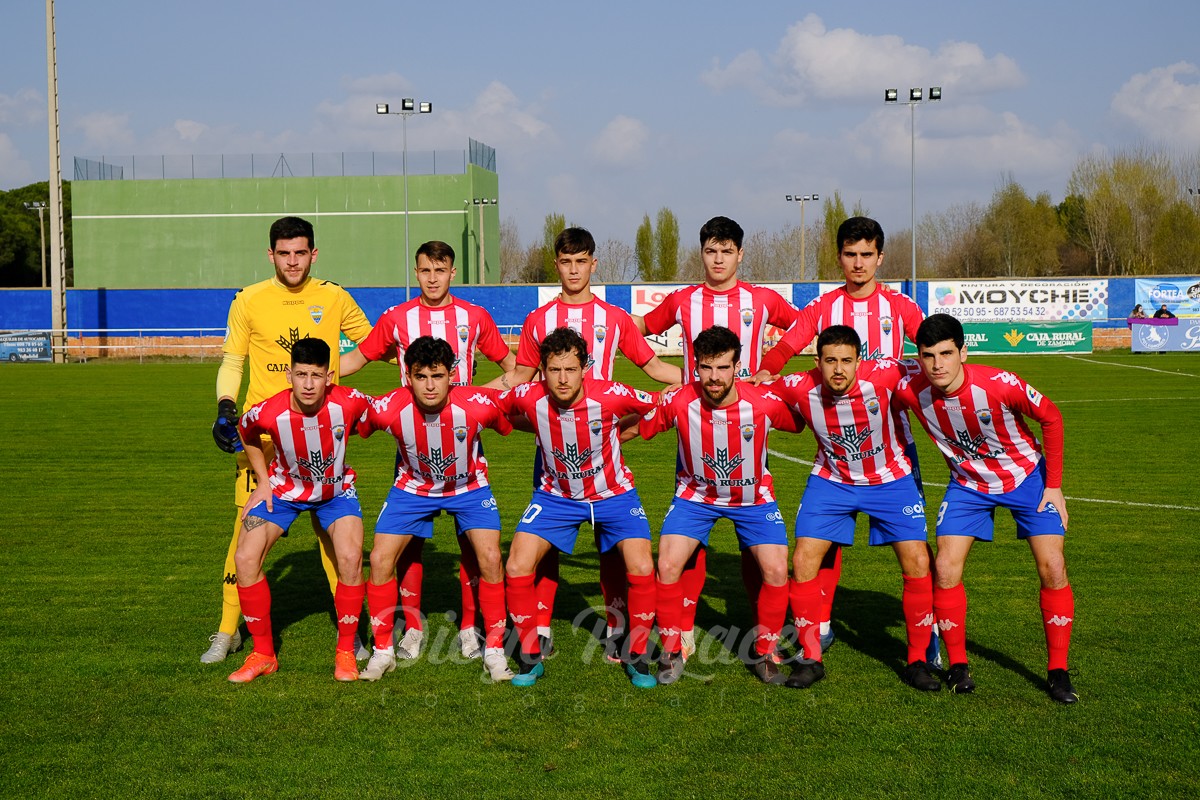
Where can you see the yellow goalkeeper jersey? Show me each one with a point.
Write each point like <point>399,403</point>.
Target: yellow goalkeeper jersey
<point>266,319</point>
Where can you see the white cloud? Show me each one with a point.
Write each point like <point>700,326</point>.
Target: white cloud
<point>621,142</point>
<point>25,108</point>
<point>1163,104</point>
<point>190,130</point>
<point>14,169</point>
<point>106,131</point>
<point>815,62</point>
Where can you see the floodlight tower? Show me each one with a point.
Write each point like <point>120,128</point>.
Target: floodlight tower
<point>803,232</point>
<point>408,107</point>
<point>915,98</point>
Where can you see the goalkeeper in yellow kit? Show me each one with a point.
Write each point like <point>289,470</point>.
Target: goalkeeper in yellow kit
<point>264,320</point>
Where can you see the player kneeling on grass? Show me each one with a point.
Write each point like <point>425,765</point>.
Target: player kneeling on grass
<point>440,468</point>
<point>578,422</point>
<point>722,474</point>
<point>309,425</point>
<point>976,416</point>
<point>861,466</point>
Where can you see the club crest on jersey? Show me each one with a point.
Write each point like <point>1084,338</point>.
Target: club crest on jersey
<point>885,324</point>
<point>339,431</point>
<point>460,433</point>
<point>463,333</point>
<point>873,405</point>
<point>595,426</point>
<point>985,415</point>
<point>317,313</point>
<point>747,317</point>
<point>748,432</point>
<point>599,331</point>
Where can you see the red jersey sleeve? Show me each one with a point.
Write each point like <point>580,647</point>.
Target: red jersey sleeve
<point>379,340</point>
<point>663,315</point>
<point>485,403</point>
<point>1032,403</point>
<point>795,339</point>
<point>913,317</point>
<point>490,342</point>
<point>660,418</point>
<point>780,312</point>
<point>632,343</point>
<point>782,416</point>
<point>528,353</point>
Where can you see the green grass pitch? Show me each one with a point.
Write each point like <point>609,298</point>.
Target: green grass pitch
<point>116,515</point>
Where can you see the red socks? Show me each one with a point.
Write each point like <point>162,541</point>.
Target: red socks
<point>491,602</point>
<point>256,609</point>
<point>348,603</point>
<point>468,579</point>
<point>641,611</point>
<point>829,576</point>
<point>381,605</point>
<point>770,613</point>
<point>547,588</point>
<point>1058,613</point>
<point>806,608</point>
<point>411,572</point>
<point>692,580</point>
<point>522,607</point>
<point>613,587</point>
<point>669,606</point>
<point>950,608</point>
<point>917,602</point>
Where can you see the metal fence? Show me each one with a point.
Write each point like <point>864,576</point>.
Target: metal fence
<point>283,165</point>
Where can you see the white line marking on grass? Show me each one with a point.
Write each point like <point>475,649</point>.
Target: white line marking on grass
<point>1133,366</point>
<point>1124,400</point>
<point>795,460</point>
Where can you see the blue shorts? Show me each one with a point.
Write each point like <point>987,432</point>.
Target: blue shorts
<point>754,525</point>
<point>557,519</point>
<point>828,510</point>
<point>327,511</point>
<point>412,514</point>
<point>966,512</point>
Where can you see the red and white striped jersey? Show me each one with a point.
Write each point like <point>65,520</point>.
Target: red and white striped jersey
<point>859,439</point>
<point>439,453</point>
<point>604,327</point>
<point>744,309</point>
<point>883,320</point>
<point>580,445</point>
<point>722,451</point>
<point>310,451</point>
<point>981,428</point>
<point>464,325</point>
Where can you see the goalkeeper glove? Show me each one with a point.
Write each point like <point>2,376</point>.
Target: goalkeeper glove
<point>224,430</point>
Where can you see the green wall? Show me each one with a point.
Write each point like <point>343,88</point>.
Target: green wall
<point>213,233</point>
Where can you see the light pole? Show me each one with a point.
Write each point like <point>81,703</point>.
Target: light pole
<point>40,207</point>
<point>914,99</point>
<point>482,202</point>
<point>408,107</point>
<point>803,232</point>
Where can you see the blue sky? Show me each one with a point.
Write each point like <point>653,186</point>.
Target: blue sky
<point>604,112</point>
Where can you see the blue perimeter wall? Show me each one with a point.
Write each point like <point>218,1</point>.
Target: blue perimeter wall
<point>160,311</point>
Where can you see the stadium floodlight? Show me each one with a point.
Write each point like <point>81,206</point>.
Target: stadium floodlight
<point>481,202</point>
<point>40,207</point>
<point>408,107</point>
<point>914,97</point>
<point>803,232</point>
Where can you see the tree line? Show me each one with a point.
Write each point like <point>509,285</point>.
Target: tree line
<point>1132,212</point>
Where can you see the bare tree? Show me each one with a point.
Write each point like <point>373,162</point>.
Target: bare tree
<point>512,253</point>
<point>617,262</point>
